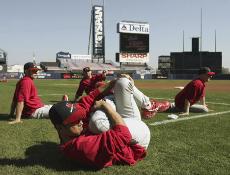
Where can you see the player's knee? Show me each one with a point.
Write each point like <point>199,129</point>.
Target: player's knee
<point>99,126</point>
<point>123,84</point>
<point>98,122</point>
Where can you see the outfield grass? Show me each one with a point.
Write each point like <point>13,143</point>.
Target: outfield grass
<point>198,146</point>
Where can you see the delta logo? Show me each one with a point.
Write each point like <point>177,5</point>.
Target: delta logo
<point>123,27</point>
<point>134,28</point>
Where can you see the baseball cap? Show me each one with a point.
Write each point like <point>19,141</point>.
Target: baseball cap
<point>206,70</point>
<point>86,69</point>
<point>66,112</point>
<point>30,66</point>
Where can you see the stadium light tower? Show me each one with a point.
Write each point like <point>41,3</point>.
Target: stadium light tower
<point>34,61</point>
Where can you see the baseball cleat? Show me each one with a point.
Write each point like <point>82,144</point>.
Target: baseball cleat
<point>156,106</point>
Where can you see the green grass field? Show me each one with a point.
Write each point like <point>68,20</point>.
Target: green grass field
<point>196,146</point>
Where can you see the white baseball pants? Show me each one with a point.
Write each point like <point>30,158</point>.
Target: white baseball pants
<point>126,97</point>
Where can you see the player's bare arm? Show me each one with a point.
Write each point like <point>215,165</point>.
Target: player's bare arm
<point>19,109</point>
<point>107,87</point>
<point>12,109</point>
<point>186,108</point>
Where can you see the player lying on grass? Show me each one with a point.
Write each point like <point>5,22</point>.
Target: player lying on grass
<point>128,109</point>
<point>114,146</point>
<point>127,100</point>
<point>192,93</point>
<point>26,102</point>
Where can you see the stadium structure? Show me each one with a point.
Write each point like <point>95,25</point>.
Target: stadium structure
<point>3,60</point>
<point>66,62</point>
<point>133,45</point>
<point>187,63</point>
<point>132,58</point>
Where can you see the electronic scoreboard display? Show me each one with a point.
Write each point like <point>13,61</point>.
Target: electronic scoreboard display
<point>134,43</point>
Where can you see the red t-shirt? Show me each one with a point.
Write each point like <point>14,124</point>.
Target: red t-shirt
<point>103,150</point>
<point>26,91</point>
<point>89,84</point>
<point>193,92</point>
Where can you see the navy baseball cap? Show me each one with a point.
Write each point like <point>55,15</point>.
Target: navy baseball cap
<point>30,66</point>
<point>206,70</point>
<point>65,113</point>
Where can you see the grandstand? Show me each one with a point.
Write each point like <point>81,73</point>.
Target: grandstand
<point>15,68</point>
<point>51,67</point>
<point>75,65</point>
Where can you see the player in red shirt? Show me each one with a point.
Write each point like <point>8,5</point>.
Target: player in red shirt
<point>89,82</point>
<point>114,146</point>
<point>193,92</point>
<point>26,101</point>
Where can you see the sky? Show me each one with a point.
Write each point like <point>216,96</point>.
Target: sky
<point>45,27</point>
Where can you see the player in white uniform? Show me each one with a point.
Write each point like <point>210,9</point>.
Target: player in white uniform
<point>127,99</point>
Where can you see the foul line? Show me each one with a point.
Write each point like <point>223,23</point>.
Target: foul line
<point>224,104</point>
<point>187,118</point>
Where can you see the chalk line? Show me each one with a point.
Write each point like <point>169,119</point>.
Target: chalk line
<point>187,118</point>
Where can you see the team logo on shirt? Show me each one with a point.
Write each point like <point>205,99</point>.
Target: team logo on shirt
<point>71,106</point>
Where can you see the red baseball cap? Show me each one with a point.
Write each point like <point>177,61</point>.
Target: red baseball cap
<point>66,113</point>
<point>206,70</point>
<point>30,66</point>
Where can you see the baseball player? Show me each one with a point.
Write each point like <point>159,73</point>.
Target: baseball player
<point>26,101</point>
<point>101,150</point>
<point>193,92</point>
<point>89,82</point>
<point>128,100</point>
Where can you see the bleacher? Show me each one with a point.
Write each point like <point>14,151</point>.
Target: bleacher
<point>78,65</point>
<point>51,67</point>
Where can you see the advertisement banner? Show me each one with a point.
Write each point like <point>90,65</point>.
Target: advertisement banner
<point>134,57</point>
<point>132,27</point>
<point>81,57</point>
<point>63,55</point>
<point>71,76</point>
<point>98,31</point>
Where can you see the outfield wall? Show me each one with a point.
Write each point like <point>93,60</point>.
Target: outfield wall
<point>51,75</point>
<point>192,76</point>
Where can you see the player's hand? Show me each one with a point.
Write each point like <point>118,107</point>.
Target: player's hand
<point>14,122</point>
<point>98,104</point>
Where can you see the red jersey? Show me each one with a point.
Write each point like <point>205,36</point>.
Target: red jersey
<point>105,149</point>
<point>86,103</point>
<point>26,91</point>
<point>193,92</point>
<point>89,84</point>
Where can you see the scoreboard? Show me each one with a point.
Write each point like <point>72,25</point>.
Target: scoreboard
<point>134,43</point>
